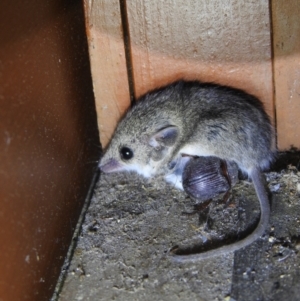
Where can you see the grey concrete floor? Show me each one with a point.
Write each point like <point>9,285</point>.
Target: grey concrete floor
<point>131,224</point>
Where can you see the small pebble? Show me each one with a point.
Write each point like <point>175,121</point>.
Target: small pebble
<point>298,188</point>
<point>275,188</point>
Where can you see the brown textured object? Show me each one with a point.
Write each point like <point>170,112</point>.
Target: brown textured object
<point>286,43</point>
<point>207,177</point>
<point>48,141</point>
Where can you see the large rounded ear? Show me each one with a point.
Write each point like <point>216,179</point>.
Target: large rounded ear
<point>164,137</point>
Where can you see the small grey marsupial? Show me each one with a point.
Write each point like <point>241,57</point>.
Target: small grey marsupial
<point>187,119</point>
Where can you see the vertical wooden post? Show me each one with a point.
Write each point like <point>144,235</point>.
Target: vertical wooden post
<point>108,65</point>
<point>49,144</point>
<point>286,45</point>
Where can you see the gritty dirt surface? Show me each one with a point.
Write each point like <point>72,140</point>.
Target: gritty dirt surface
<point>123,248</point>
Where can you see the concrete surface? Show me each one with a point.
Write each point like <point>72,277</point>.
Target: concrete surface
<point>131,224</point>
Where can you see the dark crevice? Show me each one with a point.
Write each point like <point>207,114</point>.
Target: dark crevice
<point>127,46</point>
<point>273,68</point>
<point>284,159</point>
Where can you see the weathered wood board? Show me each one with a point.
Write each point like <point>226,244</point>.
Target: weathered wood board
<point>108,65</point>
<point>286,39</point>
<point>227,42</point>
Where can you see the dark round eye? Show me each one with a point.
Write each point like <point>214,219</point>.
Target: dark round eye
<point>126,153</point>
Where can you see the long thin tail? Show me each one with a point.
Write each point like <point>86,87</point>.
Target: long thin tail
<point>258,181</point>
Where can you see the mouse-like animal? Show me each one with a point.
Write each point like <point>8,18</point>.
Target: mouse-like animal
<point>171,125</point>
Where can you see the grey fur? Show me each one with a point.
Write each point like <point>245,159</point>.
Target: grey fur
<point>188,119</point>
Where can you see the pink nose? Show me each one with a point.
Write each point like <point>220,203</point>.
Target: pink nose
<point>111,165</point>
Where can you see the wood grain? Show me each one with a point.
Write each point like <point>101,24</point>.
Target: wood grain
<point>227,42</point>
<point>49,143</point>
<point>108,65</point>
<point>286,39</point>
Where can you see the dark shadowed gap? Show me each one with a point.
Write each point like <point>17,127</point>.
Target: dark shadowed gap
<point>127,46</point>
<point>273,68</point>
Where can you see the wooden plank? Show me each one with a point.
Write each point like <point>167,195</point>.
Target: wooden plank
<point>48,141</point>
<point>108,65</point>
<point>211,40</point>
<point>286,43</point>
